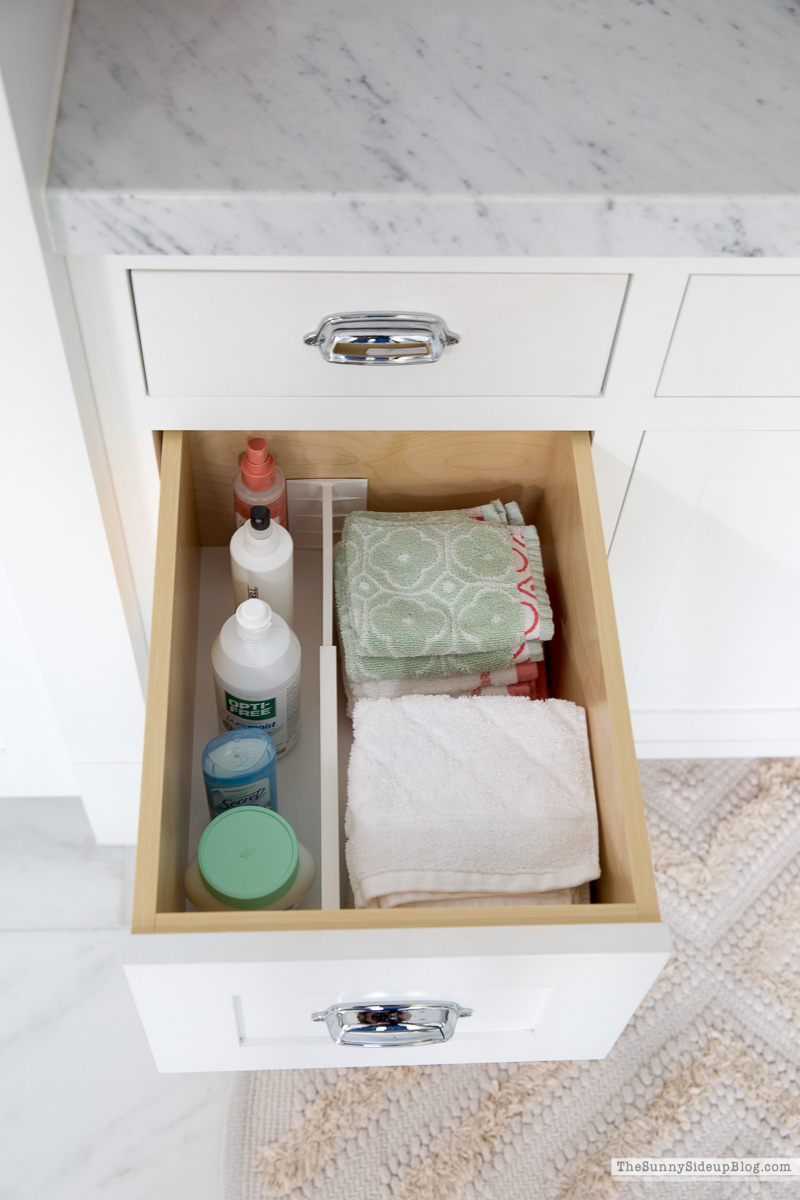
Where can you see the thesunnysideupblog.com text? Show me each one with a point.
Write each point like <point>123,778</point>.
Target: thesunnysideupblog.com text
<point>721,1168</point>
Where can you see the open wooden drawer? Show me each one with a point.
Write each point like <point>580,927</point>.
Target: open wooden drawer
<point>235,991</point>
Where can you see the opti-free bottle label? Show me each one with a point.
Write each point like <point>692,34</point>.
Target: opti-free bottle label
<point>254,712</point>
<point>278,714</point>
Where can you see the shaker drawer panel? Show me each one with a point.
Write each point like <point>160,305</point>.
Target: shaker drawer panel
<point>736,335</point>
<point>228,1002</point>
<point>240,333</point>
<point>577,973</point>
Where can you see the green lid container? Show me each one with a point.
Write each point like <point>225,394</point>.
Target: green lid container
<point>248,857</point>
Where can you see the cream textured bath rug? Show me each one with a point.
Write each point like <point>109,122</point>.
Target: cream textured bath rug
<point>709,1065</point>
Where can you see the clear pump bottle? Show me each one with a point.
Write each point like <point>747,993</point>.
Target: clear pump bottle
<point>259,481</point>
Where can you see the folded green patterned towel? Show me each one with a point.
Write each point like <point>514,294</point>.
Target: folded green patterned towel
<point>363,668</point>
<point>441,587</point>
<point>495,512</point>
<point>513,514</point>
<point>531,589</point>
<point>531,584</point>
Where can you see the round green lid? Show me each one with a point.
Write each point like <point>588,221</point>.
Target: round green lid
<point>248,857</point>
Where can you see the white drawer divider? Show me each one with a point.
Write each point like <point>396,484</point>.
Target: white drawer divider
<point>330,890</point>
<point>317,508</point>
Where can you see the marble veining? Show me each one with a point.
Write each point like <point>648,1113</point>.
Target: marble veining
<point>53,875</point>
<point>86,1112</point>
<point>359,127</point>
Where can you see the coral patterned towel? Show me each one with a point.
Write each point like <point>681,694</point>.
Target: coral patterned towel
<point>525,679</point>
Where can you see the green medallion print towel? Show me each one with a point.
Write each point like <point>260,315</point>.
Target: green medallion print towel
<point>495,511</point>
<point>446,587</point>
<point>363,668</point>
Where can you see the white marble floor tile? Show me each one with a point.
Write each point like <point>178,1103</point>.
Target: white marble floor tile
<point>84,1112</point>
<point>53,875</point>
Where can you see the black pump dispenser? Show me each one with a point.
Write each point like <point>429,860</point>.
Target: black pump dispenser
<point>260,518</point>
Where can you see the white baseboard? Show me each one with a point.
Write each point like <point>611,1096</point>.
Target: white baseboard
<point>717,750</point>
<point>716,733</point>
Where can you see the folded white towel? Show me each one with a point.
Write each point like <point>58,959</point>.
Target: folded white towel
<point>576,895</point>
<point>468,796</point>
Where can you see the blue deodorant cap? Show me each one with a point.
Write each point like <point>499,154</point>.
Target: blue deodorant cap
<point>239,769</point>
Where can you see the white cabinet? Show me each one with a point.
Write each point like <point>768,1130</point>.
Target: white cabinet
<point>70,633</point>
<point>28,724</point>
<point>705,567</point>
<point>626,348</point>
<point>706,516</point>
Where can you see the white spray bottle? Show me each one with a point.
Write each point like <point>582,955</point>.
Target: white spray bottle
<point>262,564</point>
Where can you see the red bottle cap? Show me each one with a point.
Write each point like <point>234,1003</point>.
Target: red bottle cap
<point>258,466</point>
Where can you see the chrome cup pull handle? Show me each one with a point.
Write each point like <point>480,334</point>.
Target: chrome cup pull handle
<point>391,1023</point>
<point>370,339</point>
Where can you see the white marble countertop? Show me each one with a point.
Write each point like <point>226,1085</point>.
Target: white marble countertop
<point>360,127</point>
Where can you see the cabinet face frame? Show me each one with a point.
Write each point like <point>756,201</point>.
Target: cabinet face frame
<point>425,469</point>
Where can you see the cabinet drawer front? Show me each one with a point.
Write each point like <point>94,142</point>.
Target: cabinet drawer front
<point>240,333</point>
<point>535,994</point>
<point>736,335</point>
<point>549,474</point>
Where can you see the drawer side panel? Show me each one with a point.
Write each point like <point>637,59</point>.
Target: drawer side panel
<point>589,669</point>
<point>166,772</point>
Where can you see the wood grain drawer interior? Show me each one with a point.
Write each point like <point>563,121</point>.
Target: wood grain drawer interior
<point>550,475</point>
